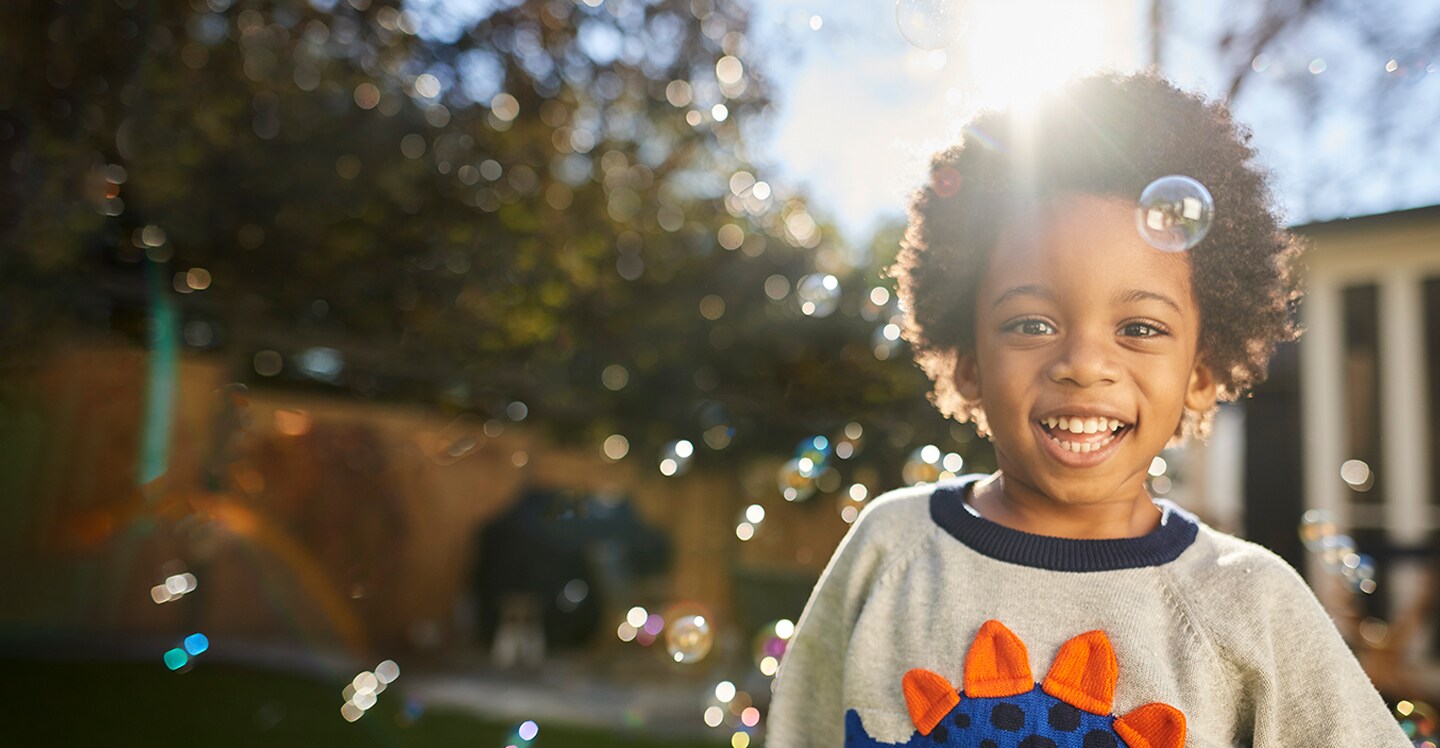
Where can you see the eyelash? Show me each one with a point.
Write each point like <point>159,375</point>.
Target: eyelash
<point>1159,329</point>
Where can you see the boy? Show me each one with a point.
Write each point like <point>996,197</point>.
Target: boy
<point>1054,603</point>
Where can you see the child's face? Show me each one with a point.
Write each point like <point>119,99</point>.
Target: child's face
<point>1077,317</point>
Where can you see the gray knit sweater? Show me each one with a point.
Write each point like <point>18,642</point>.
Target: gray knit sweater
<point>1218,630</point>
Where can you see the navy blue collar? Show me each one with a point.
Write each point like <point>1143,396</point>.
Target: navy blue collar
<point>1176,532</point>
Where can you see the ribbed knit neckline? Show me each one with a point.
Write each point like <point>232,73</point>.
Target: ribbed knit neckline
<point>1176,532</point>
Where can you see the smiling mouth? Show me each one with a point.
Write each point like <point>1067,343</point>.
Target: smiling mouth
<point>1083,434</point>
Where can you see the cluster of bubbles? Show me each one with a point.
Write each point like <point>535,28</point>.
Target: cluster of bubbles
<point>640,626</point>
<point>1418,720</point>
<point>687,628</point>
<point>1174,213</point>
<point>173,588</point>
<point>770,644</point>
<point>810,470</point>
<point>733,710</point>
<point>929,465</point>
<point>362,692</point>
<point>930,24</point>
<point>180,656</point>
<point>1337,550</point>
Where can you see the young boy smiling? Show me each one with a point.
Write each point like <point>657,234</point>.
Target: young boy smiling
<point>1055,603</point>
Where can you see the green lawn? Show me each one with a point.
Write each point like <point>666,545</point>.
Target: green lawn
<point>93,705</point>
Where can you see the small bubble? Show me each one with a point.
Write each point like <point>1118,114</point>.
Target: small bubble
<point>675,457</point>
<point>689,634</point>
<point>930,24</point>
<point>922,466</point>
<point>818,294</point>
<point>1174,213</point>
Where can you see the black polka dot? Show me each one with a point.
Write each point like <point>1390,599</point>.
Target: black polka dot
<point>1036,741</point>
<point>962,720</point>
<point>1064,717</point>
<point>1007,716</point>
<point>988,744</point>
<point>1100,739</point>
<point>939,734</point>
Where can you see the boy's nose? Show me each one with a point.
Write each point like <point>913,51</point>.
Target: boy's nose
<point>1086,361</point>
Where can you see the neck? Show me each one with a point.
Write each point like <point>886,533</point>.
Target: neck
<point>1011,503</point>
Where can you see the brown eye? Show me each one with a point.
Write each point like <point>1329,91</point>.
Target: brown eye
<point>1031,327</point>
<point>1142,330</point>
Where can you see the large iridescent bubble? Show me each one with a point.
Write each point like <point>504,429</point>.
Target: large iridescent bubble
<point>1174,213</point>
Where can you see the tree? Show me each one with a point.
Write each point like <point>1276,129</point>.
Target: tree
<point>546,212</point>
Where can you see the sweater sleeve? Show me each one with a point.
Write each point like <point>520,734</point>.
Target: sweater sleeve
<point>1301,683</point>
<point>808,704</point>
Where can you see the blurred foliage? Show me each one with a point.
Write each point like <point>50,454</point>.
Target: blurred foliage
<point>453,203</point>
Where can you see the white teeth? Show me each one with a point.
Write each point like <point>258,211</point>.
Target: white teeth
<point>1085,447</point>
<point>1078,425</point>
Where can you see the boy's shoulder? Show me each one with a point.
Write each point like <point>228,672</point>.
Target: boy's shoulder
<point>1235,584</point>
<point>898,511</point>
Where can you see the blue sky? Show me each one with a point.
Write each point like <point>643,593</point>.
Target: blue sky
<point>859,110</point>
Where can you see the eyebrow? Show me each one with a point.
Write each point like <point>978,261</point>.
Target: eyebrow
<point>1033,289</point>
<point>1124,297</point>
<point>1135,294</point>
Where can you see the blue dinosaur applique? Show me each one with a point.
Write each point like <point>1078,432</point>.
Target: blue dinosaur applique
<point>1001,705</point>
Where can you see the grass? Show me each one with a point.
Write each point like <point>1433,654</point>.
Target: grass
<point>130,704</point>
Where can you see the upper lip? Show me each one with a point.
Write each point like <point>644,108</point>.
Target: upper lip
<point>1084,412</point>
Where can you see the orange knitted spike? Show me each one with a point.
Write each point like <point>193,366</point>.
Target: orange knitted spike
<point>1084,673</point>
<point>1152,726</point>
<point>997,664</point>
<point>929,696</point>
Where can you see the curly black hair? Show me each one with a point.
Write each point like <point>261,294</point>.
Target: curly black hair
<point>1105,134</point>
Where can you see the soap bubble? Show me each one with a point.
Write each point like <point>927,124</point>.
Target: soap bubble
<point>922,466</point>
<point>689,632</point>
<point>929,24</point>
<point>885,341</point>
<point>1358,569</point>
<point>1334,549</point>
<point>797,479</point>
<point>675,457</point>
<point>1174,213</point>
<point>770,643</point>
<point>1315,526</point>
<point>818,294</point>
<point>815,449</point>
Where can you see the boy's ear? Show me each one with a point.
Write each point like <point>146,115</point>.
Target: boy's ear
<point>1202,391</point>
<point>967,377</point>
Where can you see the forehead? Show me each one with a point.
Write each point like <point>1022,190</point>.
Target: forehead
<point>1082,243</point>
